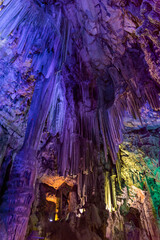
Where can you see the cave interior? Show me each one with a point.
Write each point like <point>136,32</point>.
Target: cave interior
<point>80,119</point>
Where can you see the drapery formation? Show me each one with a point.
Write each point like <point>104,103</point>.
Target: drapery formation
<point>80,96</point>
<point>41,30</point>
<point>29,22</point>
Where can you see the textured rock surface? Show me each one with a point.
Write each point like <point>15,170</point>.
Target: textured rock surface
<point>140,155</point>
<point>69,71</point>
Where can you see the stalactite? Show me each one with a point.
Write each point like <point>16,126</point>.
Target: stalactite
<point>16,16</point>
<point>80,136</point>
<point>118,169</point>
<point>55,120</point>
<point>82,124</point>
<point>37,31</point>
<point>103,134</point>
<point>111,137</point>
<point>133,105</point>
<point>152,97</point>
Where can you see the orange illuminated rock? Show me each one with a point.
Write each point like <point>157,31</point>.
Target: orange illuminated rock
<point>56,181</point>
<point>51,197</point>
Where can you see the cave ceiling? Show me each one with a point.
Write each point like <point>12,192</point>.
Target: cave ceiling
<point>105,55</point>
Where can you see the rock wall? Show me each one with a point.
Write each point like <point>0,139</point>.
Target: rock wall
<point>69,72</point>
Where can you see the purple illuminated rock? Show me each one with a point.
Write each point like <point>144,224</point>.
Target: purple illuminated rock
<point>68,73</point>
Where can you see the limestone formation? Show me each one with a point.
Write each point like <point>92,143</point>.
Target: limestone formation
<point>79,119</point>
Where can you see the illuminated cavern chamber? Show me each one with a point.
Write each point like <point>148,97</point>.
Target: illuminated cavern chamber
<point>79,120</point>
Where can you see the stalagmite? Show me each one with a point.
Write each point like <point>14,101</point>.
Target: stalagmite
<point>108,192</point>
<point>113,178</point>
<point>57,209</point>
<point>72,202</point>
